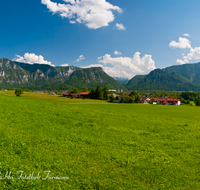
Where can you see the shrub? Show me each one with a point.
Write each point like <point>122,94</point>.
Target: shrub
<point>18,92</point>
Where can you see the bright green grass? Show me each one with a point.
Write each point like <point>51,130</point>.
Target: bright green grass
<point>55,98</point>
<point>99,146</point>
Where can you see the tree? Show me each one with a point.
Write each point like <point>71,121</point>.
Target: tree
<point>98,93</point>
<point>92,94</point>
<point>56,91</point>
<point>75,91</point>
<point>84,89</point>
<point>60,93</point>
<point>18,92</point>
<point>132,99</point>
<point>153,100</point>
<point>105,92</point>
<point>136,95</point>
<point>197,101</point>
<point>188,102</point>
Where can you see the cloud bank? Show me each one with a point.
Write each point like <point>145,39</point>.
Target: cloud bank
<point>64,65</point>
<point>92,65</point>
<point>184,43</point>
<point>93,13</point>
<point>126,67</point>
<point>31,58</point>
<point>194,54</point>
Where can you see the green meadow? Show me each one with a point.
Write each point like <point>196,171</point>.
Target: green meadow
<point>97,145</point>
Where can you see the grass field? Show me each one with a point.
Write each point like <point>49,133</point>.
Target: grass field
<point>98,145</point>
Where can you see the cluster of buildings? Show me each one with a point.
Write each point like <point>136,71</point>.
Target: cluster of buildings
<point>78,95</point>
<point>148,100</point>
<point>145,99</point>
<point>164,100</point>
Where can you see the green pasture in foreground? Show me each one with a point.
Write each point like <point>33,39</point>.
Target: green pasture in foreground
<point>99,146</point>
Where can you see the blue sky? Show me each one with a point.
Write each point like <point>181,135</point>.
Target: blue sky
<point>143,34</point>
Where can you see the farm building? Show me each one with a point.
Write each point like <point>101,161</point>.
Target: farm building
<point>74,95</point>
<point>65,94</point>
<point>84,94</point>
<point>168,101</point>
<point>144,99</point>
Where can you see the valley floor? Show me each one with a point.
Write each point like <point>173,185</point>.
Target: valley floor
<point>97,145</point>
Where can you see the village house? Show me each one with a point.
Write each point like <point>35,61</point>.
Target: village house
<point>168,101</point>
<point>84,94</point>
<point>65,94</point>
<point>52,93</point>
<point>74,95</point>
<point>114,97</point>
<point>78,95</point>
<point>127,93</point>
<point>144,99</point>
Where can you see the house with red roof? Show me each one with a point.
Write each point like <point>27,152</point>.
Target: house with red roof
<point>168,101</point>
<point>74,95</point>
<point>84,94</point>
<point>52,93</point>
<point>66,93</point>
<point>127,93</point>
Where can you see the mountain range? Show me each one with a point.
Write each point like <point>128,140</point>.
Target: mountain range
<point>40,76</point>
<point>177,78</point>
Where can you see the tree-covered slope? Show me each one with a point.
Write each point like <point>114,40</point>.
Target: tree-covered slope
<point>135,80</point>
<point>91,77</point>
<point>123,82</point>
<point>162,80</point>
<point>189,71</point>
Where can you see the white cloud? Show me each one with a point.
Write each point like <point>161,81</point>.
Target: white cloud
<point>117,53</point>
<point>92,65</point>
<point>186,35</point>
<point>64,65</point>
<point>99,57</point>
<point>182,43</point>
<point>126,67</point>
<point>194,54</point>
<point>81,57</point>
<point>120,26</point>
<point>31,58</point>
<point>180,61</point>
<point>93,13</point>
<point>72,22</point>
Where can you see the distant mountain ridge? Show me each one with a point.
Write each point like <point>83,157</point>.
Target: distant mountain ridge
<point>39,76</point>
<point>15,74</point>
<point>176,78</point>
<point>189,71</point>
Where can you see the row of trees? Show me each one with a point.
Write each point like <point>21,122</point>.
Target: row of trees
<point>133,97</point>
<point>99,93</point>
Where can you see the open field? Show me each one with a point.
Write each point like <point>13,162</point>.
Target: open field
<point>55,98</point>
<point>98,145</point>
